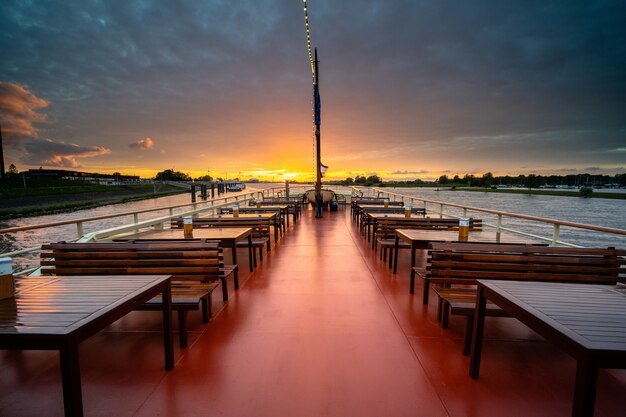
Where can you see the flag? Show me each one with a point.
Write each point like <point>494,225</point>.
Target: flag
<point>317,106</point>
<point>323,168</point>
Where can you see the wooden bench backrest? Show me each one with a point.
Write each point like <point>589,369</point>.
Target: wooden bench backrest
<point>386,228</point>
<point>198,260</point>
<point>260,226</point>
<point>394,210</point>
<point>467,262</point>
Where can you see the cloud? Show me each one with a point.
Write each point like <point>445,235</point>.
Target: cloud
<point>45,152</point>
<point>143,144</point>
<point>405,172</point>
<point>18,110</point>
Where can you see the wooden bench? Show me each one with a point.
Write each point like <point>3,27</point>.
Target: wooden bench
<point>279,219</point>
<point>454,268</point>
<point>385,233</point>
<point>294,205</point>
<point>260,229</point>
<point>195,266</point>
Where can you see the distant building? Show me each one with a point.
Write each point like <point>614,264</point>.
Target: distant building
<point>61,174</point>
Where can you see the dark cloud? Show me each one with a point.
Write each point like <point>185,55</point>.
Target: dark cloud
<point>497,80</point>
<point>45,152</point>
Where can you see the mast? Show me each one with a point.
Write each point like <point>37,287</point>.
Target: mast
<point>1,156</point>
<point>318,146</point>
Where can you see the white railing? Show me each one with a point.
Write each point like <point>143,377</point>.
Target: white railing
<point>196,208</point>
<point>441,209</point>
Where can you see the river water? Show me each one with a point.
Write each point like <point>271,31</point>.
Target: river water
<point>594,211</point>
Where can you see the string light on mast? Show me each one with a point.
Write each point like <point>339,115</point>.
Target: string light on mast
<point>308,39</point>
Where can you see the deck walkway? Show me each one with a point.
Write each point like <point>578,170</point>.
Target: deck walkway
<point>321,328</point>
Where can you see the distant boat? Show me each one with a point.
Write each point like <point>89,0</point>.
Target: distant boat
<point>237,186</point>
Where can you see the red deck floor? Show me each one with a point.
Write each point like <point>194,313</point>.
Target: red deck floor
<point>321,328</point>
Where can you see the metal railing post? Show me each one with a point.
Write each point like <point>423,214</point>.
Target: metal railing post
<point>555,234</point>
<point>79,229</point>
<point>440,211</point>
<point>499,224</point>
<point>135,218</point>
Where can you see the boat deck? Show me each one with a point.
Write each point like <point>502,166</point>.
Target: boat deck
<point>321,328</point>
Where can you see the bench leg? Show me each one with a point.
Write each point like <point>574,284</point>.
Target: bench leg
<point>426,291</point>
<point>467,345</point>
<point>224,289</point>
<point>445,314</point>
<point>206,308</point>
<point>182,328</point>
<point>439,311</point>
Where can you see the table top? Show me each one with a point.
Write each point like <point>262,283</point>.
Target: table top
<point>58,305</point>
<point>202,233</point>
<point>397,204</point>
<point>270,206</point>
<point>594,316</point>
<point>268,215</point>
<point>395,216</point>
<point>417,235</point>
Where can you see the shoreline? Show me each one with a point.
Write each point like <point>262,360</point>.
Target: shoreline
<point>594,194</point>
<point>63,203</point>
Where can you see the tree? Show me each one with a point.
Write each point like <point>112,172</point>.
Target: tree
<point>443,179</point>
<point>373,179</point>
<point>585,191</point>
<point>487,179</point>
<point>204,178</point>
<point>12,171</point>
<point>349,181</point>
<point>171,175</point>
<point>532,181</point>
<point>359,180</point>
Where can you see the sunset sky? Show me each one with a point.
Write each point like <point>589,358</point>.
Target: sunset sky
<point>409,88</point>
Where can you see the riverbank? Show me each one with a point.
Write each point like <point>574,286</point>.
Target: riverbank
<point>49,200</point>
<point>559,193</point>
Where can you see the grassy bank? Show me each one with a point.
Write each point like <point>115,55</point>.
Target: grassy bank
<point>594,194</point>
<point>49,197</point>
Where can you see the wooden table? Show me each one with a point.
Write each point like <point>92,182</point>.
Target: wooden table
<point>294,205</point>
<point>420,239</point>
<point>272,219</point>
<point>228,237</point>
<point>587,321</point>
<point>360,209</point>
<point>281,210</point>
<point>58,313</point>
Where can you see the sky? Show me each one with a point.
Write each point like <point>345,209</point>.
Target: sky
<point>409,88</point>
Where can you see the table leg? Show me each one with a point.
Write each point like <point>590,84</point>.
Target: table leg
<point>412,285</point>
<point>585,388</point>
<point>251,256</point>
<point>70,376</point>
<point>168,342</point>
<point>396,246</point>
<point>234,260</point>
<point>374,221</point>
<point>477,336</point>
